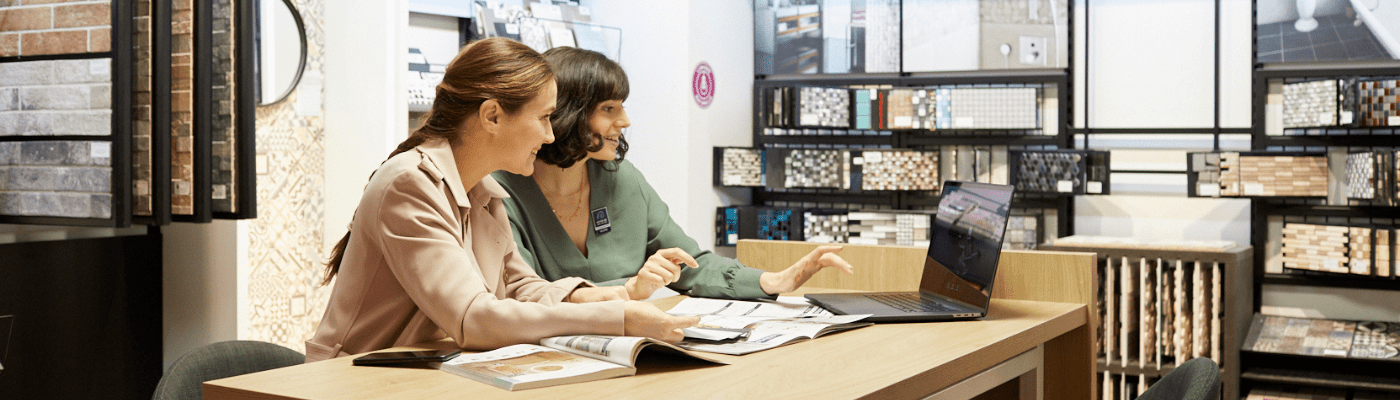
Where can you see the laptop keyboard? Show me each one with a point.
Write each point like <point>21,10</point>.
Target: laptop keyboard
<point>909,302</point>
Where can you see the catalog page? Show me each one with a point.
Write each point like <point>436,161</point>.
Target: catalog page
<point>741,327</point>
<point>524,366</point>
<point>770,333</point>
<point>615,349</point>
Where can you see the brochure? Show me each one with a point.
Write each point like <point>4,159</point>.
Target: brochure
<point>742,327</point>
<point>559,360</point>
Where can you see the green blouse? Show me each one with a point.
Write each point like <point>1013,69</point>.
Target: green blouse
<point>641,225</point>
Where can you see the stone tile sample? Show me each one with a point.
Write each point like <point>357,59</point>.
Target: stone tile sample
<point>46,27</point>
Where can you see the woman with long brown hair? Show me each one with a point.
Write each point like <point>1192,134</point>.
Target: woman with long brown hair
<point>586,212</point>
<point>429,253</point>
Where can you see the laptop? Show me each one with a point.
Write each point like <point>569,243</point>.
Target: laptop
<point>963,252</point>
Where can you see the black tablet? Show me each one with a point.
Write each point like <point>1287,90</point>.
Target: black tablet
<point>406,358</point>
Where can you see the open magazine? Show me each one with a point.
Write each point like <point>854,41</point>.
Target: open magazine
<point>743,327</point>
<point>559,360</point>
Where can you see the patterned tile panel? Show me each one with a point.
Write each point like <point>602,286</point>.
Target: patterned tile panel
<point>285,261</point>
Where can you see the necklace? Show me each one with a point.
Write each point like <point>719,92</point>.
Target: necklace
<point>578,204</point>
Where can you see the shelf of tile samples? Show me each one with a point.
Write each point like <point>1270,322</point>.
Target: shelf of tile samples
<point>1163,303</point>
<point>1370,340</point>
<point>1295,392</point>
<point>738,166</point>
<point>1323,201</point>
<point>1257,174</point>
<point>1060,171</point>
<point>1367,251</point>
<point>1371,176</point>
<point>904,228</point>
<point>1056,172</point>
<point>842,169</point>
<point>1014,107</point>
<point>1340,105</point>
<point>876,227</point>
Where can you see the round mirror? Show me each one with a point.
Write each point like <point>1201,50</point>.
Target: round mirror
<point>280,41</point>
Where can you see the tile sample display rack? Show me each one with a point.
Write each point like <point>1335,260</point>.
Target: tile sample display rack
<point>115,110</point>
<point>1341,237</point>
<point>1162,305</point>
<point>830,144</point>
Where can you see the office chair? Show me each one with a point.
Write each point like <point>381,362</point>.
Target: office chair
<point>185,378</point>
<point>1197,379</point>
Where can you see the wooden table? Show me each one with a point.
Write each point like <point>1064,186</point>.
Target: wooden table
<point>885,361</point>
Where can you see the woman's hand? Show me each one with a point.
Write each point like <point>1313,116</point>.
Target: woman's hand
<point>793,277</point>
<point>661,269</point>
<point>645,320</point>
<point>594,294</point>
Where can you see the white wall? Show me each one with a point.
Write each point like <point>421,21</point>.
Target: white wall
<point>721,34</point>
<point>671,137</point>
<point>366,104</point>
<point>200,285</point>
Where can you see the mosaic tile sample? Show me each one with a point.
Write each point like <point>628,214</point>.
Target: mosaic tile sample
<point>776,224</point>
<point>45,27</point>
<point>141,173</point>
<point>285,259</point>
<point>1379,101</point>
<point>912,109</point>
<point>824,228</point>
<point>1049,172</point>
<point>994,108</point>
<point>1021,232</point>
<point>1359,250</point>
<point>56,179</point>
<point>224,141</point>
<point>899,170</point>
<point>1316,247</point>
<point>742,167</point>
<point>182,108</point>
<point>889,228</point>
<point>1304,176</point>
<point>727,226</point>
<point>1308,104</point>
<point>1385,252</point>
<point>1361,175</point>
<point>825,107</point>
<point>806,168</point>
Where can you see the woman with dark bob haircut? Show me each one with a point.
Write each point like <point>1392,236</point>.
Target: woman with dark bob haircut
<point>588,213</point>
<point>429,253</point>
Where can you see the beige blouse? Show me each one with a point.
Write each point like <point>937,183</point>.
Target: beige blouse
<point>428,259</point>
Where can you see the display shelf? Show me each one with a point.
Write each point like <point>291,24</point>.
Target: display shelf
<point>1130,369</point>
<point>1324,379</point>
<point>778,124</point>
<point>865,197</point>
<point>1287,100</point>
<point>1124,272</point>
<point>1331,280</point>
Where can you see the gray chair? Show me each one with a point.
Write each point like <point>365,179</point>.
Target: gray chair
<point>1197,379</point>
<point>185,378</point>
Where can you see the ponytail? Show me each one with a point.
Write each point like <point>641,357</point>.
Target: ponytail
<point>495,68</point>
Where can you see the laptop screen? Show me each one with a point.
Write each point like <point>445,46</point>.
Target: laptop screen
<point>965,242</point>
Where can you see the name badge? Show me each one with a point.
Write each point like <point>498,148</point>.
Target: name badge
<point>601,224</point>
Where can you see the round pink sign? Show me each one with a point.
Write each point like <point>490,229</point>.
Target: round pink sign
<point>702,85</point>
